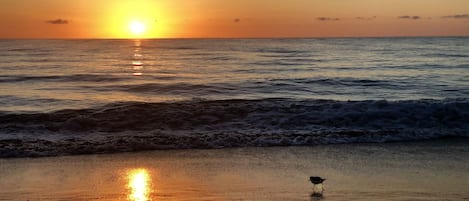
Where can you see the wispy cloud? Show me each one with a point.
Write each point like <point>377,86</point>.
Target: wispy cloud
<point>461,16</point>
<point>327,19</point>
<point>408,17</point>
<point>366,18</point>
<point>57,21</point>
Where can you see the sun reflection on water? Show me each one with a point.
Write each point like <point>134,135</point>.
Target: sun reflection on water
<point>139,185</point>
<point>137,63</point>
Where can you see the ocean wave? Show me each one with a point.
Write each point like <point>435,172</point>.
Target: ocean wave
<point>350,82</point>
<point>446,55</point>
<point>425,67</point>
<point>292,54</point>
<point>179,47</point>
<point>208,89</point>
<point>132,126</point>
<point>163,88</point>
<point>60,78</point>
<point>283,51</point>
<point>280,63</point>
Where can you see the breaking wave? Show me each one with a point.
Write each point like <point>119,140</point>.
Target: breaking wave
<point>134,126</point>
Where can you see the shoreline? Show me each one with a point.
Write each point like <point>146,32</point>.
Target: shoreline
<point>424,170</point>
<point>453,139</point>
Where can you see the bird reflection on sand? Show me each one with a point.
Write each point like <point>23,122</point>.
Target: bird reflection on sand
<point>316,196</point>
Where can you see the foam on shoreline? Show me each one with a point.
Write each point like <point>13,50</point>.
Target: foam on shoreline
<point>133,126</point>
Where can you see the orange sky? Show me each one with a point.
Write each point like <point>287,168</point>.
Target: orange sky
<point>225,18</point>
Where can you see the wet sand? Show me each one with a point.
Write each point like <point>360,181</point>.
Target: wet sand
<point>427,170</point>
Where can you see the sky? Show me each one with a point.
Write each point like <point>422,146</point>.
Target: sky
<point>232,18</point>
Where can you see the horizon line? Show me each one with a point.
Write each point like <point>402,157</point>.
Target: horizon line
<point>225,38</point>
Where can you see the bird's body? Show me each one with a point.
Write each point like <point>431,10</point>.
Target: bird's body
<point>316,180</point>
<point>317,192</point>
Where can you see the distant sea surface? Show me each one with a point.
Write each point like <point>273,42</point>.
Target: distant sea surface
<point>60,97</point>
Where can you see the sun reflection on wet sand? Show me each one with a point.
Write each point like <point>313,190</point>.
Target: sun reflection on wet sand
<point>139,185</point>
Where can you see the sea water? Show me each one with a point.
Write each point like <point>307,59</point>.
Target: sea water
<point>99,96</point>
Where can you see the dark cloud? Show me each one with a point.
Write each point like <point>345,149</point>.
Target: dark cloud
<point>366,18</point>
<point>57,21</point>
<point>327,19</point>
<point>462,16</point>
<point>237,20</point>
<point>407,17</point>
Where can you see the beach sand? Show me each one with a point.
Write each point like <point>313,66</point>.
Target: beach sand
<point>426,170</point>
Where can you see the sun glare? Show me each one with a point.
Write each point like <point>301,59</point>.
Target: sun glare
<point>137,19</point>
<point>139,184</point>
<point>137,27</point>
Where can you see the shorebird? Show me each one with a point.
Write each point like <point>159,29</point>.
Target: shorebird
<point>316,181</point>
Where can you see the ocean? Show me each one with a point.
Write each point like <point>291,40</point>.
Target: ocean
<point>62,97</point>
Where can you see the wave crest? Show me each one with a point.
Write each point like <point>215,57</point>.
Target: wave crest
<point>133,126</point>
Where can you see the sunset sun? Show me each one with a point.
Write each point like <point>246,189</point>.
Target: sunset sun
<point>137,28</point>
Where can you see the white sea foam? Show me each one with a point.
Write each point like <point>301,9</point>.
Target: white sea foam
<point>131,126</point>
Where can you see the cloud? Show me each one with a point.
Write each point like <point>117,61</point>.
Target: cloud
<point>57,21</point>
<point>407,17</point>
<point>366,18</point>
<point>237,20</point>
<point>461,16</point>
<point>327,19</point>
